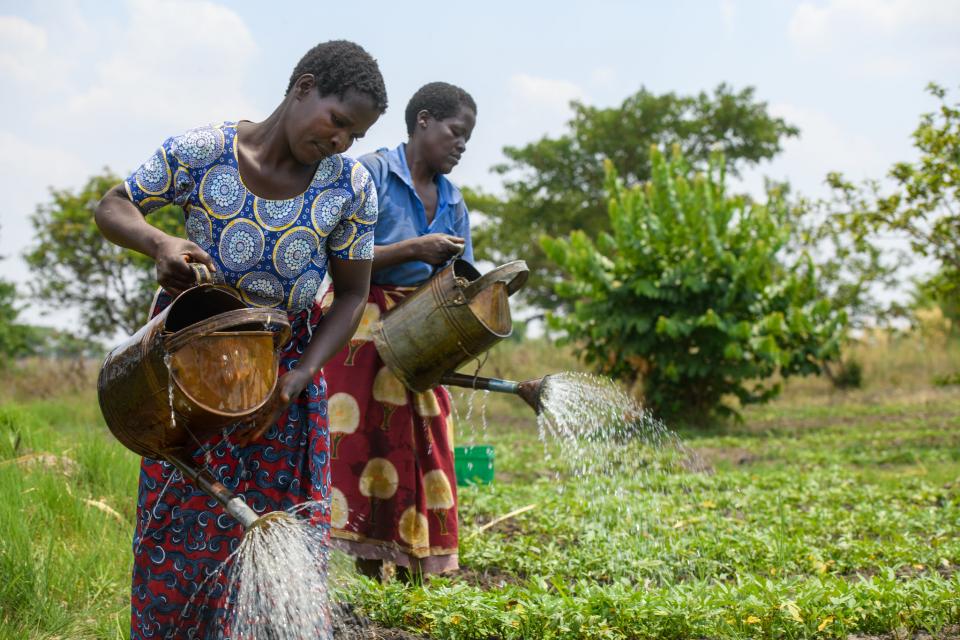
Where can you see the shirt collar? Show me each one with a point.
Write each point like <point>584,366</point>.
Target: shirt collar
<point>397,163</point>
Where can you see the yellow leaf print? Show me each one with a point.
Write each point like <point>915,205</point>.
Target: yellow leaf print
<point>379,479</point>
<point>752,620</point>
<point>826,621</point>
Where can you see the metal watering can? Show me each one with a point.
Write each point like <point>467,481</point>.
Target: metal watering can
<point>451,319</point>
<point>205,362</point>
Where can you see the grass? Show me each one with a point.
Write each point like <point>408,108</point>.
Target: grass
<point>824,514</point>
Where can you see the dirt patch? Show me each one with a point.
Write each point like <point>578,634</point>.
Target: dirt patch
<point>349,625</point>
<point>488,577</point>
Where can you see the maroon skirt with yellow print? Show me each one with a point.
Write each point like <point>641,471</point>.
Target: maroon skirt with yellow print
<point>394,488</point>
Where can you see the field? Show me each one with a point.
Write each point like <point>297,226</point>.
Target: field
<point>825,514</point>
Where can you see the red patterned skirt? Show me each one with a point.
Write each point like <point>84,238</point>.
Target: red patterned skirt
<point>394,491</point>
<point>182,535</point>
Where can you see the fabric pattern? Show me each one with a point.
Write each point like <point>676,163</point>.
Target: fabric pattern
<point>273,252</point>
<point>394,491</point>
<point>183,536</point>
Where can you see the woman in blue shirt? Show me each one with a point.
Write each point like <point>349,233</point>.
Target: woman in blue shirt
<point>394,495</point>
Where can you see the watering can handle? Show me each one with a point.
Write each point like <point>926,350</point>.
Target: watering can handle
<point>514,274</point>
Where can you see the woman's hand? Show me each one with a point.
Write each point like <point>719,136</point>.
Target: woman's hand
<point>290,385</point>
<point>173,271</point>
<point>437,248</point>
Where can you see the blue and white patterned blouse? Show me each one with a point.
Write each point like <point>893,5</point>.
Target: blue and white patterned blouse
<point>273,252</point>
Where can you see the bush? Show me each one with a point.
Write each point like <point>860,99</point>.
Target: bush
<point>692,295</point>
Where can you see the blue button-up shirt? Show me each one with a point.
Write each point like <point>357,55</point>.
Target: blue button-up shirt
<point>403,216</point>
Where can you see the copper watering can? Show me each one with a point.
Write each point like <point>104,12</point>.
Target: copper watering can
<point>203,363</point>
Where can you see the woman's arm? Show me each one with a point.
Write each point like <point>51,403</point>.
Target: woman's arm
<point>122,223</point>
<point>351,285</point>
<point>433,248</point>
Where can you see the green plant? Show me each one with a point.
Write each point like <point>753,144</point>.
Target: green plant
<point>556,185</point>
<point>691,294</point>
<point>845,374</point>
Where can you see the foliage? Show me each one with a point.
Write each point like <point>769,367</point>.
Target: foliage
<point>819,521</point>
<point>556,185</point>
<point>690,293</point>
<point>923,203</point>
<point>74,265</point>
<point>13,335</point>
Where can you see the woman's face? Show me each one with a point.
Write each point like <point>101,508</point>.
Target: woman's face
<point>320,126</point>
<point>442,142</point>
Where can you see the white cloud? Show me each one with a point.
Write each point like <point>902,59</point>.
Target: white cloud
<point>835,23</point>
<point>824,145</point>
<point>728,13</point>
<point>544,92</point>
<point>22,44</point>
<point>541,106</point>
<point>179,62</point>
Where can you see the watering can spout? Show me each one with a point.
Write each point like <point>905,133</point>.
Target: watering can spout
<point>530,391</point>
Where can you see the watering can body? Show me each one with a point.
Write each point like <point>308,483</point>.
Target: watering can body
<point>451,319</point>
<point>205,362</point>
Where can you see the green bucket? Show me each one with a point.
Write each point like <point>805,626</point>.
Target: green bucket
<point>473,465</point>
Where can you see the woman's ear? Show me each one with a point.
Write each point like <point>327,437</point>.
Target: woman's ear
<point>304,85</point>
<point>423,116</point>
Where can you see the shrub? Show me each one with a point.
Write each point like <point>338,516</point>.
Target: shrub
<point>692,294</point>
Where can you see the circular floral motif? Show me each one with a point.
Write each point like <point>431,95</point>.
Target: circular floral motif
<point>326,210</point>
<point>366,213</point>
<point>200,147</point>
<point>261,289</point>
<point>343,235</point>
<point>152,203</point>
<point>359,177</point>
<point>154,176</point>
<point>362,247</point>
<point>277,215</point>
<point>305,290</point>
<point>241,245</point>
<point>294,250</point>
<point>183,184</point>
<point>320,259</point>
<point>199,227</point>
<point>328,171</point>
<point>222,192</point>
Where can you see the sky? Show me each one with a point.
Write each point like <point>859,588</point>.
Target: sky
<point>97,84</point>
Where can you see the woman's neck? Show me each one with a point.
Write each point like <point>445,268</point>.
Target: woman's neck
<point>420,172</point>
<point>265,143</point>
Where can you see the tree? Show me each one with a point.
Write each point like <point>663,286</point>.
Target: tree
<point>556,185</point>
<point>13,336</point>
<point>691,294</point>
<point>923,204</point>
<point>74,265</point>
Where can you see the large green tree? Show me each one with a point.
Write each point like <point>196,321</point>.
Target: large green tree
<point>556,185</point>
<point>694,293</point>
<point>75,266</point>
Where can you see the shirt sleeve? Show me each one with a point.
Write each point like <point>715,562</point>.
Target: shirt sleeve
<point>352,238</point>
<point>160,181</point>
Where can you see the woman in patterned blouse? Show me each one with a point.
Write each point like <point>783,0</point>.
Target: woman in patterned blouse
<point>270,206</point>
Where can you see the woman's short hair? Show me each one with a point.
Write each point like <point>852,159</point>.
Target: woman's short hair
<point>441,99</point>
<point>340,65</point>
